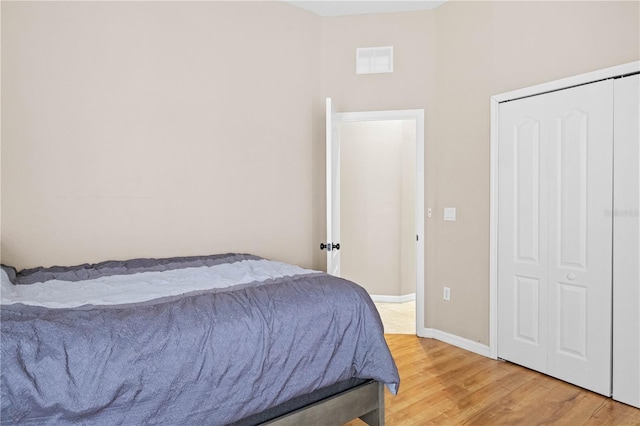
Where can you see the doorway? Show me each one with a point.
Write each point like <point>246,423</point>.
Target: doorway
<point>377,199</point>
<point>375,205</point>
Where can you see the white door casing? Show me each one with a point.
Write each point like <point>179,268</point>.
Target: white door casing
<point>555,154</point>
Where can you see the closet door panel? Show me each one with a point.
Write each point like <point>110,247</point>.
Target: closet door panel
<point>571,144</point>
<point>522,237</point>
<point>580,249</point>
<point>527,191</point>
<point>626,261</point>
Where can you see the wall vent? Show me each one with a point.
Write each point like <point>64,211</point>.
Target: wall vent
<point>374,60</point>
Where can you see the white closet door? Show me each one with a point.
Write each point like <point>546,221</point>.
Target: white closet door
<point>626,260</point>
<point>522,234</point>
<point>581,247</point>
<point>555,238</point>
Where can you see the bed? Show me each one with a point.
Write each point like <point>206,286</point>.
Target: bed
<point>217,340</point>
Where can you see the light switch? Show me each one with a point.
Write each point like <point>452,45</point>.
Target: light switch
<point>450,213</point>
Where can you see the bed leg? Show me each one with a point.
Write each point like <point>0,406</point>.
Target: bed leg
<point>376,417</point>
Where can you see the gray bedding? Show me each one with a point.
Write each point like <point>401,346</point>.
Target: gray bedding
<point>204,357</point>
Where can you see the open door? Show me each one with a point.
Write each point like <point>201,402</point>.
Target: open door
<point>333,192</point>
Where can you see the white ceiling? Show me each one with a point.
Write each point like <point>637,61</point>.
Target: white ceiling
<point>359,7</point>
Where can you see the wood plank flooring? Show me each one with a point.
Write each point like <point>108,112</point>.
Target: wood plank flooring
<point>441,384</point>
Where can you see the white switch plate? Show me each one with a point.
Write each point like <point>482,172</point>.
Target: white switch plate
<point>450,213</point>
<point>446,294</point>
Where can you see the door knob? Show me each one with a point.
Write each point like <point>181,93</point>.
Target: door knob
<point>571,277</point>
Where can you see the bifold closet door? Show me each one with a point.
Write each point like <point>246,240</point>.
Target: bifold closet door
<point>555,171</point>
<point>626,240</point>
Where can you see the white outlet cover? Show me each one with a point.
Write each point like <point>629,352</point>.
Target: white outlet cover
<point>450,213</point>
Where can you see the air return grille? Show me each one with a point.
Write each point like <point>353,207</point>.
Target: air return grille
<point>374,60</point>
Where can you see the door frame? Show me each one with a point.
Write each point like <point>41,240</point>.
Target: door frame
<point>565,83</point>
<point>418,116</point>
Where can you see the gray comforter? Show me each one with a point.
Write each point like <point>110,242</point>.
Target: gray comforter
<point>204,357</point>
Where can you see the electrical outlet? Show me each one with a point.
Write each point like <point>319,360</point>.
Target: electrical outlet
<point>446,294</point>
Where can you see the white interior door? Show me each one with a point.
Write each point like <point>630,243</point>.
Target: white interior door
<point>333,190</point>
<point>554,235</point>
<point>626,240</point>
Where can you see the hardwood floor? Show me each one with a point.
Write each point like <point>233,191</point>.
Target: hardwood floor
<point>441,384</point>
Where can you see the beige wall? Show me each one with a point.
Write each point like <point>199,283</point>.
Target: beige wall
<point>157,129</point>
<point>450,61</point>
<point>172,128</point>
<point>377,205</point>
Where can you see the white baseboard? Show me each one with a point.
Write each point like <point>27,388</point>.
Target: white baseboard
<point>454,340</point>
<point>394,299</point>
